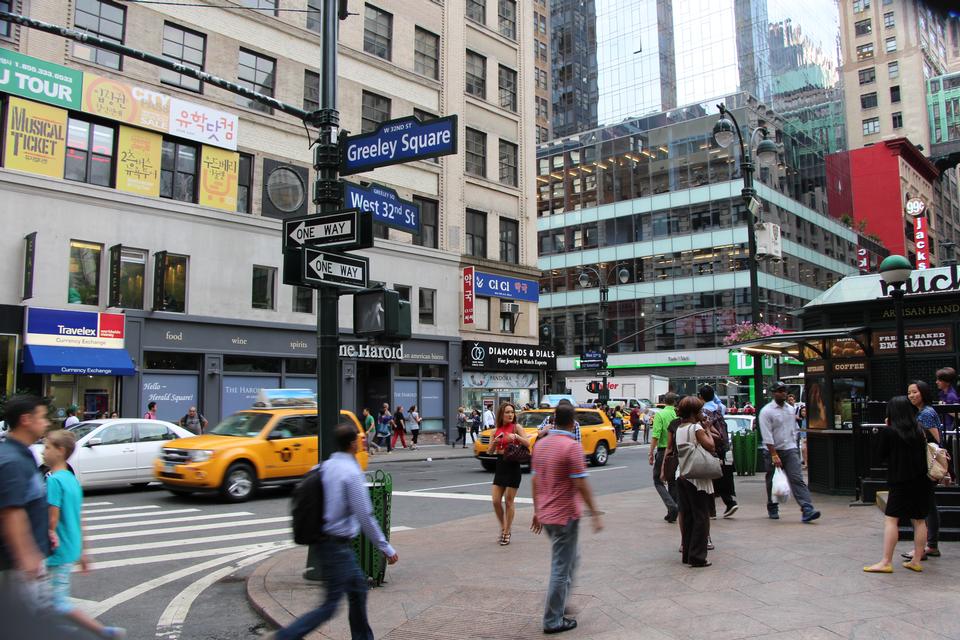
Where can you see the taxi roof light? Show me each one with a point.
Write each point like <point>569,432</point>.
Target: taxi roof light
<point>285,398</point>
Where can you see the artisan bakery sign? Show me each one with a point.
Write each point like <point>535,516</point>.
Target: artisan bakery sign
<point>916,340</point>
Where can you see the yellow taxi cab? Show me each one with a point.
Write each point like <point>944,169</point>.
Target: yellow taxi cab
<point>275,442</point>
<point>597,435</point>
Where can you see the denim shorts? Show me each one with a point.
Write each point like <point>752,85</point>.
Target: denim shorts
<point>58,578</point>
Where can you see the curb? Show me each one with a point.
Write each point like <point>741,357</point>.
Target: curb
<point>261,600</point>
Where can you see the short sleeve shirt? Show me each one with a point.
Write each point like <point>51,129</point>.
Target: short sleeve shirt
<point>660,423</point>
<point>21,486</point>
<point>557,462</point>
<point>64,492</point>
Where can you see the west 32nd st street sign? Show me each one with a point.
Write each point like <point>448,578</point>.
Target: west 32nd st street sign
<point>396,141</point>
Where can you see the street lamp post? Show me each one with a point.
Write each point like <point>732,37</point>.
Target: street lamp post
<point>895,271</point>
<point>623,275</point>
<point>724,132</point>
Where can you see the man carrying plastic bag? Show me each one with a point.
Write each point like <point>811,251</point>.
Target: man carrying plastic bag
<point>778,428</point>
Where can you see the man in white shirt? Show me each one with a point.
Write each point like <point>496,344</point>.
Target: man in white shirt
<point>488,420</point>
<point>72,418</point>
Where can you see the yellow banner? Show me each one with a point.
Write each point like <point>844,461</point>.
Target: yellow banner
<point>219,175</point>
<point>36,138</point>
<point>115,100</point>
<point>138,161</point>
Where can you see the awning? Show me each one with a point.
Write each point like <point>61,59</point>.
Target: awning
<point>791,343</point>
<point>77,361</point>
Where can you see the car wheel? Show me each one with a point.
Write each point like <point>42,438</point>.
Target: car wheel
<point>600,454</point>
<point>489,465</point>
<point>239,482</point>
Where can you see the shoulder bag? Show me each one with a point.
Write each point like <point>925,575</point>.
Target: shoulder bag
<point>696,463</point>
<point>937,465</point>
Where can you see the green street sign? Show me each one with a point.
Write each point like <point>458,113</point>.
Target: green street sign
<point>741,364</point>
<point>40,80</point>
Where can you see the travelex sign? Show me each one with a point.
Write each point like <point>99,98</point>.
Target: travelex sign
<point>400,140</point>
<point>496,286</point>
<point>88,329</point>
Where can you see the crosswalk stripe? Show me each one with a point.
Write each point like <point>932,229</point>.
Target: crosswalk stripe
<point>119,516</point>
<point>164,544</point>
<point>169,557</point>
<point>96,504</point>
<point>455,496</point>
<point>116,509</point>
<point>195,527</point>
<point>121,525</point>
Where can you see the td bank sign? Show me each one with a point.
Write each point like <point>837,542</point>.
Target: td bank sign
<point>741,364</point>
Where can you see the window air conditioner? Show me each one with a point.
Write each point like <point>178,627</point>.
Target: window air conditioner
<point>509,307</point>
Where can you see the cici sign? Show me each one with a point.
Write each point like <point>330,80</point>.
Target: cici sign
<point>468,295</point>
<point>921,240</point>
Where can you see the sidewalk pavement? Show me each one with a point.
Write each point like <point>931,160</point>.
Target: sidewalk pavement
<point>442,452</point>
<point>770,579</point>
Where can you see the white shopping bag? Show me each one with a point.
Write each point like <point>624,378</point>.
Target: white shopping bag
<point>781,486</point>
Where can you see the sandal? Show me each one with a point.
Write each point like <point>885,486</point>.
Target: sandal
<point>504,539</point>
<point>913,567</point>
<point>882,569</point>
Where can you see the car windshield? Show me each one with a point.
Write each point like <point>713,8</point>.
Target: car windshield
<point>243,425</point>
<point>532,419</point>
<point>83,428</point>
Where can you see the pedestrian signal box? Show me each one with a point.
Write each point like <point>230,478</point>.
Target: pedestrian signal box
<point>381,313</point>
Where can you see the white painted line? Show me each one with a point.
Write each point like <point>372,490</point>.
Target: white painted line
<point>133,592</point>
<point>170,624</point>
<point>115,509</point>
<point>593,471</point>
<point>452,486</point>
<point>166,544</point>
<point>400,528</point>
<point>96,504</point>
<point>121,525</point>
<point>84,604</point>
<point>456,496</point>
<point>191,528</point>
<point>170,557</point>
<point>120,516</point>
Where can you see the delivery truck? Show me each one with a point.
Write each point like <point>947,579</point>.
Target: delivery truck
<point>624,389</point>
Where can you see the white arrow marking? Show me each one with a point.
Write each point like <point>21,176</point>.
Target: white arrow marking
<point>297,234</point>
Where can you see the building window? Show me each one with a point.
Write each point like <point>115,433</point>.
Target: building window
<point>314,20</point>
<point>476,158</point>
<point>257,73</point>
<point>898,120</point>
<point>264,281</point>
<point>427,299</point>
<point>865,51</point>
<point>891,44</point>
<point>244,183</point>
<point>888,21</point>
<point>84,284</point>
<point>403,291</point>
<point>868,100</point>
<point>508,163</point>
<point>867,75</point>
<point>506,320</point>
<point>541,77</point>
<point>311,90</point>
<point>863,27</point>
<point>302,300</point>
<point>507,14</point>
<point>871,126</point>
<point>476,233</point>
<point>5,29</point>
<point>377,32</point>
<point>376,110</point>
<point>543,134</point>
<point>178,171</point>
<point>508,88</point>
<point>509,240</point>
<point>429,222</point>
<point>186,48</point>
<point>476,66</point>
<point>133,269</point>
<point>477,10</point>
<point>543,108</point>
<point>481,314</point>
<point>104,20</point>
<point>895,94</point>
<point>893,70</point>
<point>426,54</point>
<point>270,6</point>
<point>174,284</point>
<point>860,5</point>
<point>542,23</point>
<point>89,156</point>
<point>542,51</point>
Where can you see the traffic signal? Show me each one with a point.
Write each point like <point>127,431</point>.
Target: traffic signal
<point>593,387</point>
<point>381,313</point>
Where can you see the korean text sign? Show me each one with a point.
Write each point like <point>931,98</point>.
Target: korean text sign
<point>138,161</point>
<point>489,285</point>
<point>219,176</point>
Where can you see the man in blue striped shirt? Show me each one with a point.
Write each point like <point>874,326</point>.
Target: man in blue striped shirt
<point>347,510</point>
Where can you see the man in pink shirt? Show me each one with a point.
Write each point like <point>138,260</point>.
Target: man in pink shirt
<point>559,480</point>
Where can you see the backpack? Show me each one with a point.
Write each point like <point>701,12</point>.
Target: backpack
<point>306,507</point>
<point>716,420</point>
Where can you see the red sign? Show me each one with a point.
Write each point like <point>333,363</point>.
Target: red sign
<point>863,260</point>
<point>921,240</point>
<point>468,295</point>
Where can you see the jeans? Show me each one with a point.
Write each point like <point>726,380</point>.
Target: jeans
<point>790,459</point>
<point>694,522</point>
<point>668,492</point>
<point>563,564</point>
<point>341,575</point>
<point>636,432</point>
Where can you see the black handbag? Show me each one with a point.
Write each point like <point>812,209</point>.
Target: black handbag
<point>517,452</point>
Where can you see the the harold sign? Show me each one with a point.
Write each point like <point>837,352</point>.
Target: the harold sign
<point>40,80</point>
<point>384,204</point>
<point>58,328</point>
<point>496,286</point>
<point>396,141</point>
<point>500,356</point>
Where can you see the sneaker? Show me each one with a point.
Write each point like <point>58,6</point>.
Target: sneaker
<point>732,509</point>
<point>114,633</point>
<point>773,514</point>
<point>810,516</point>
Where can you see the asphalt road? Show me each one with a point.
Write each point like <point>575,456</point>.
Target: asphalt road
<point>174,568</point>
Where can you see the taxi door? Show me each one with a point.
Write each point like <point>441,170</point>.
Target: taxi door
<point>294,446</point>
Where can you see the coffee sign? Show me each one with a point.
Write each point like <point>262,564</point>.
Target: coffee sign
<point>926,340</point>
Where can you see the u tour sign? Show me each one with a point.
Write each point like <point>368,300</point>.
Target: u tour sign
<point>397,141</point>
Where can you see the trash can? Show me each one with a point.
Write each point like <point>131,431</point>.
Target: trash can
<point>744,453</point>
<point>371,559</point>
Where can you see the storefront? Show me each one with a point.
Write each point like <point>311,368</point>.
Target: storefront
<point>11,328</point>
<point>498,372</point>
<point>80,356</point>
<point>220,365</point>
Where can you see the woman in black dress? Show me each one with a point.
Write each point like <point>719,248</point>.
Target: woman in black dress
<point>506,480</point>
<point>903,444</point>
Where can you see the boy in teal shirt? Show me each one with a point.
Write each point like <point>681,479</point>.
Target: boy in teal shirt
<point>65,500</point>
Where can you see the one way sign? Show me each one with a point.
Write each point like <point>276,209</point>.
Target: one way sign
<point>345,271</point>
<point>343,230</point>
